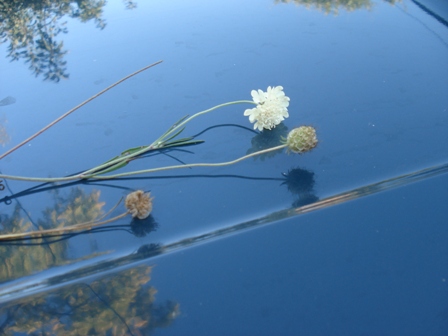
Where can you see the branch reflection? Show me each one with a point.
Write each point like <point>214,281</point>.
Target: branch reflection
<point>22,260</point>
<point>32,28</point>
<point>120,304</point>
<point>334,6</point>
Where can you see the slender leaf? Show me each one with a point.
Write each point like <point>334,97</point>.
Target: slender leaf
<point>133,150</point>
<point>173,136</point>
<point>174,126</point>
<point>111,168</point>
<point>183,143</point>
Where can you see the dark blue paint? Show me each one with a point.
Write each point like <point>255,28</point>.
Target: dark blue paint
<point>372,82</point>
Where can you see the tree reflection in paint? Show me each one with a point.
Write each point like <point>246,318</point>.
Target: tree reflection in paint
<point>121,304</point>
<point>24,259</point>
<point>32,28</point>
<point>4,135</point>
<point>334,6</point>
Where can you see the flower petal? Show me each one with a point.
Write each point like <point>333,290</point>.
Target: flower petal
<point>271,108</point>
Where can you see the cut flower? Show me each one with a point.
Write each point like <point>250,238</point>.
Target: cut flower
<point>271,110</point>
<point>139,204</point>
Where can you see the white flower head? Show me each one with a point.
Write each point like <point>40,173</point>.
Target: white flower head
<point>271,110</point>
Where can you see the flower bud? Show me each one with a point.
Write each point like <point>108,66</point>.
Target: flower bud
<point>301,139</point>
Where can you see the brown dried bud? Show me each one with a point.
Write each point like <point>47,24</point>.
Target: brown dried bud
<point>139,204</point>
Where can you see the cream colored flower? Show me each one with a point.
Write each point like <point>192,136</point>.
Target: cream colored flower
<point>139,204</point>
<point>301,139</point>
<point>271,110</point>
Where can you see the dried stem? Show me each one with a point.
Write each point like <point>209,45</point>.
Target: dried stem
<point>74,109</point>
<point>76,227</point>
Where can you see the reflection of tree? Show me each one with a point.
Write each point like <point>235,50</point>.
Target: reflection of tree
<point>4,136</point>
<point>333,6</point>
<point>130,4</point>
<point>76,208</point>
<point>32,26</point>
<point>21,260</point>
<point>122,304</point>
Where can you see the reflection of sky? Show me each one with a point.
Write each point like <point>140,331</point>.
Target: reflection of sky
<point>373,83</point>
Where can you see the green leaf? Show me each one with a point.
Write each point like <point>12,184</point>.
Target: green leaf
<point>111,168</point>
<point>132,150</point>
<point>183,142</point>
<point>173,136</point>
<point>181,120</point>
<point>126,153</point>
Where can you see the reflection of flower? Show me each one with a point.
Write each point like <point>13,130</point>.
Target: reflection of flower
<point>300,182</point>
<point>265,140</point>
<point>301,139</point>
<point>271,108</point>
<point>139,204</point>
<point>141,228</point>
<point>305,200</point>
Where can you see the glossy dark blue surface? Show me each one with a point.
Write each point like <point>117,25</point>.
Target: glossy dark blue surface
<point>349,239</point>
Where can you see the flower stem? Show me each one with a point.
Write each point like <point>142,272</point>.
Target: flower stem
<point>160,141</point>
<point>153,170</point>
<point>90,173</point>
<point>41,179</point>
<point>192,165</point>
<point>75,108</point>
<point>206,111</point>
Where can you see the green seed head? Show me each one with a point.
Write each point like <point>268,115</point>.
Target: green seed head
<point>301,139</point>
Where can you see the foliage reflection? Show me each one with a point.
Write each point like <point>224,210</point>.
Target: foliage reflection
<point>21,260</point>
<point>334,6</point>
<point>122,304</point>
<point>4,135</point>
<point>32,28</point>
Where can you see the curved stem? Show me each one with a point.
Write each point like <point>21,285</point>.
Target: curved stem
<point>41,179</point>
<point>153,170</point>
<point>192,165</point>
<point>159,142</point>
<point>204,112</point>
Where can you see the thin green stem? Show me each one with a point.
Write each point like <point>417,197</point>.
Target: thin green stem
<point>40,179</point>
<point>160,141</point>
<point>204,112</point>
<point>153,170</point>
<point>192,165</point>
